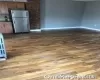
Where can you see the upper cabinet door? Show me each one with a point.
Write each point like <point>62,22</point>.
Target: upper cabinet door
<point>12,5</point>
<point>3,8</point>
<point>21,5</point>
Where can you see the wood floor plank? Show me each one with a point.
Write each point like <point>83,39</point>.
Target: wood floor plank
<point>32,56</point>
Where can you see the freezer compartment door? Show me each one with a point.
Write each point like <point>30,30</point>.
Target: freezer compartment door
<point>19,13</point>
<point>21,25</point>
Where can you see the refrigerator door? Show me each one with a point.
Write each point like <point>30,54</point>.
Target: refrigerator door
<point>21,25</point>
<point>19,13</point>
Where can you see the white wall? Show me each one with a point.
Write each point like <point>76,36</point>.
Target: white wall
<point>61,13</point>
<point>91,18</point>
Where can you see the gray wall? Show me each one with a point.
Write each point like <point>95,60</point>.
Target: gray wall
<point>91,18</point>
<point>61,13</point>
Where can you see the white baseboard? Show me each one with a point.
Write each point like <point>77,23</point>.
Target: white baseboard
<point>90,28</point>
<point>63,28</point>
<point>59,28</point>
<point>35,30</point>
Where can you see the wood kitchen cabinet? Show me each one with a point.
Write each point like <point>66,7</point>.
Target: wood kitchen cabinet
<point>20,5</point>
<point>11,5</point>
<point>3,8</point>
<point>6,27</point>
<point>2,28</point>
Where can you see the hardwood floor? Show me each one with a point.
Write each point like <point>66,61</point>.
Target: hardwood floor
<point>36,56</point>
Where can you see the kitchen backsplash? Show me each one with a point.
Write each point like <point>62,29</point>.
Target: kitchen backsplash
<point>4,18</point>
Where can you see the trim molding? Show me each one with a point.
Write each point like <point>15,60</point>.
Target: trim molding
<point>62,28</point>
<point>35,30</point>
<point>90,28</point>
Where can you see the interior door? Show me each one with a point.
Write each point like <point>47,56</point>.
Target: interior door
<point>21,25</point>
